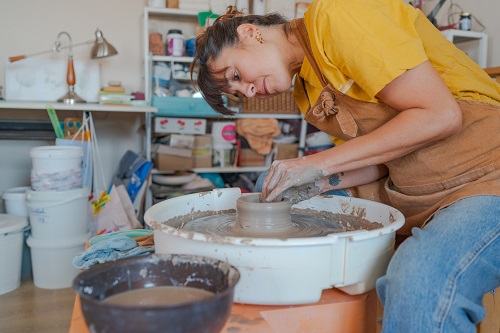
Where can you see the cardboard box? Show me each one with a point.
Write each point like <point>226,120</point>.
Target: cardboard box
<point>181,141</point>
<point>169,158</point>
<point>173,3</point>
<point>248,158</point>
<point>180,125</point>
<point>335,312</point>
<point>202,151</point>
<point>286,151</point>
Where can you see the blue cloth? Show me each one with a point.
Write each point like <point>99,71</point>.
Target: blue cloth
<point>436,279</point>
<point>113,248</point>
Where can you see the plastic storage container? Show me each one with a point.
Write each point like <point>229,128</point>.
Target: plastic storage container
<point>174,106</point>
<point>15,201</point>
<point>52,261</point>
<point>221,154</point>
<point>176,43</point>
<point>58,215</point>
<point>11,249</point>
<point>56,168</point>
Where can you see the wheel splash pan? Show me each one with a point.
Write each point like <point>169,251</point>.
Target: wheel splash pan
<point>283,271</point>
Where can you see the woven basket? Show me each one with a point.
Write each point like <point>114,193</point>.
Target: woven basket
<point>282,103</point>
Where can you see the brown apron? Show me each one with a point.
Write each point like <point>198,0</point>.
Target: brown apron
<point>428,179</point>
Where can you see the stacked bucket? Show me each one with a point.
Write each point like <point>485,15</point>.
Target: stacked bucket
<point>13,229</point>
<point>57,209</point>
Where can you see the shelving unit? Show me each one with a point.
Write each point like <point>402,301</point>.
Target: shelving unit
<point>84,107</point>
<point>161,20</point>
<point>458,37</point>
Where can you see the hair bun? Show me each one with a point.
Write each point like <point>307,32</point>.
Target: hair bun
<point>231,12</point>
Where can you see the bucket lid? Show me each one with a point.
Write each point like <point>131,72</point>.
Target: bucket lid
<point>57,195</point>
<point>56,152</point>
<point>57,243</point>
<point>12,223</point>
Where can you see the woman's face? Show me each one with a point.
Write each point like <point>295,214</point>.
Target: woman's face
<point>254,69</point>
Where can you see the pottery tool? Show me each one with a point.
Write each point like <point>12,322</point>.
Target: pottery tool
<point>55,122</point>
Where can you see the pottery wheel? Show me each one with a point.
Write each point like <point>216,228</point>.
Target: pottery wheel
<point>264,220</point>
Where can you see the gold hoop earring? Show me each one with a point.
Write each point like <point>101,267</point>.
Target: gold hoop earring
<point>259,37</point>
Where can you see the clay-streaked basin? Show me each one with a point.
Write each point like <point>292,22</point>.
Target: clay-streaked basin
<point>283,271</point>
<point>207,315</point>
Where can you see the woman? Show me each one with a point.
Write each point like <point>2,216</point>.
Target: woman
<point>421,123</point>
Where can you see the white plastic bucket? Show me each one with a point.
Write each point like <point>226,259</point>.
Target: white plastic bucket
<point>15,201</point>
<point>56,168</point>
<point>52,261</point>
<point>11,249</point>
<point>58,215</point>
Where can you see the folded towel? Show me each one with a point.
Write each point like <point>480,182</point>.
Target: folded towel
<point>111,249</point>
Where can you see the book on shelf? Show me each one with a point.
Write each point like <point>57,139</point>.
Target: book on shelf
<point>113,89</point>
<point>118,97</point>
<point>115,99</point>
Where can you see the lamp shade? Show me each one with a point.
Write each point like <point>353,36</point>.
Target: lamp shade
<point>101,47</point>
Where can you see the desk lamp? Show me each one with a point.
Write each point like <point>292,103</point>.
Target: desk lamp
<point>100,49</point>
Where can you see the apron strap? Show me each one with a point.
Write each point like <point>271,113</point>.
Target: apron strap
<point>326,105</point>
<point>299,30</point>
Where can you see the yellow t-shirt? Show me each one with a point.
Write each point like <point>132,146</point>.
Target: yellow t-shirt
<point>362,45</point>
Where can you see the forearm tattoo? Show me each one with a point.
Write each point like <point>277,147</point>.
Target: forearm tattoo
<point>334,179</point>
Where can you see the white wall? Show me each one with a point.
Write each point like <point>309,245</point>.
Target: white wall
<point>32,25</point>
<point>486,11</point>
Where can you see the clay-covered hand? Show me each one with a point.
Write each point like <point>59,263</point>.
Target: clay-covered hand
<point>303,192</point>
<point>285,174</point>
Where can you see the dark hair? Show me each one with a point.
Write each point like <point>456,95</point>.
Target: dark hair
<point>210,44</point>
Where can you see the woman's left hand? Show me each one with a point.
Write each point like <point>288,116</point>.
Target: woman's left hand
<point>285,174</point>
<point>300,193</point>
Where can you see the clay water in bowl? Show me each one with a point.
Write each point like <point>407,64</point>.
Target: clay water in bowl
<point>157,293</point>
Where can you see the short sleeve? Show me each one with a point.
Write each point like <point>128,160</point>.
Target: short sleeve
<point>370,41</point>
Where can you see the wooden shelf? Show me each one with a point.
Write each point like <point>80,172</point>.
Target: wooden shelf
<point>183,60</point>
<point>26,105</point>
<point>460,36</point>
<point>218,170</point>
<point>175,12</point>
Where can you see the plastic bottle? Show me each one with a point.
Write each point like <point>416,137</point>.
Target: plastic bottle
<point>176,43</point>
<point>191,46</point>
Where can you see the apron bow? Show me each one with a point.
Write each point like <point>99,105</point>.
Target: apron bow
<point>326,106</point>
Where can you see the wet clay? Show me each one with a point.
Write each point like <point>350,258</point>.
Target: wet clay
<point>275,220</point>
<point>158,296</point>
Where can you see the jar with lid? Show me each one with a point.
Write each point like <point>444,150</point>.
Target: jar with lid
<point>176,43</point>
<point>465,22</point>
